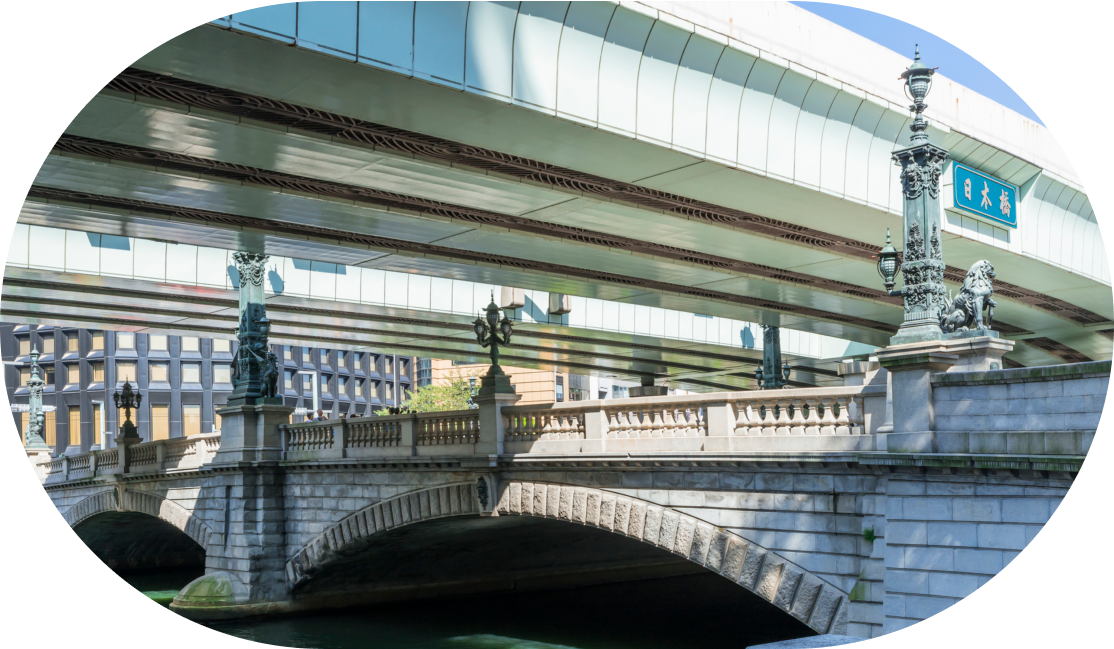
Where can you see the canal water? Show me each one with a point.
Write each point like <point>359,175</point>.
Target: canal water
<point>690,612</point>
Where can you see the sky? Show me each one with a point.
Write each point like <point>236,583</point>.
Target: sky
<point>896,35</point>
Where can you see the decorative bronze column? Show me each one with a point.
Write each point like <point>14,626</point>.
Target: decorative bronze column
<point>773,374</point>
<point>488,329</point>
<point>255,369</point>
<point>35,419</point>
<point>922,265</point>
<point>129,401</point>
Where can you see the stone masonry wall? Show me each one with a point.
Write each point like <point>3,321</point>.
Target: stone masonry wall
<point>946,535</point>
<point>1028,411</point>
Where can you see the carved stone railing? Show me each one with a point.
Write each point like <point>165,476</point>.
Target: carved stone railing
<point>179,453</point>
<point>812,419</point>
<point>455,428</point>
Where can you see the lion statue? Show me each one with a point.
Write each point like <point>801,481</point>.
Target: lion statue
<point>964,311</point>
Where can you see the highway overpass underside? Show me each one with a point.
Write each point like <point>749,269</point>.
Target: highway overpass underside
<point>307,156</point>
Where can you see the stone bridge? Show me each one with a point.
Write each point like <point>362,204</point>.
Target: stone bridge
<point>804,498</point>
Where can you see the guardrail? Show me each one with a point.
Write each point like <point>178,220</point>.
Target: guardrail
<point>178,453</point>
<point>813,419</point>
<point>816,419</point>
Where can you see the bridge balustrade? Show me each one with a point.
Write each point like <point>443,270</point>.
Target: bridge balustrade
<point>160,456</point>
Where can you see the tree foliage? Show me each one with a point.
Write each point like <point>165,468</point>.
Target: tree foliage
<point>434,397</point>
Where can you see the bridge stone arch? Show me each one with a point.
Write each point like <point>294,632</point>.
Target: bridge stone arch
<point>812,600</point>
<point>141,502</point>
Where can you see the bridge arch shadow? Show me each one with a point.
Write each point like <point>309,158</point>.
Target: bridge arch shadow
<point>444,527</point>
<point>139,531</point>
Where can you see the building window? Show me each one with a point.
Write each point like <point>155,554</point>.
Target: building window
<point>222,345</point>
<point>71,342</point>
<point>160,371</point>
<point>48,345</point>
<point>324,357</point>
<point>425,372</point>
<point>618,392</point>
<point>403,368</point>
<point>287,354</point>
<point>288,380</point>
<point>48,374</point>
<point>191,420</point>
<point>374,360</point>
<point>191,373</point>
<point>125,340</point>
<point>305,356</point>
<point>98,341</point>
<point>216,422</point>
<point>190,343</point>
<point>342,385</point>
<point>388,365</point>
<point>307,383</point>
<point>160,422</point>
<point>324,383</point>
<point>75,425</point>
<point>560,389</point>
<point>357,358</point>
<point>24,375</point>
<point>157,343</point>
<point>125,371</point>
<point>73,374</point>
<point>98,422</point>
<point>340,360</point>
<point>24,346</point>
<point>222,373</point>
<point>98,372</point>
<point>360,388</point>
<point>51,432</point>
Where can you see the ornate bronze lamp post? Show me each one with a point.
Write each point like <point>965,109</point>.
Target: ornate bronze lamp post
<point>35,418</point>
<point>255,370</point>
<point>922,267</point>
<point>493,332</point>
<point>129,401</point>
<point>772,374</point>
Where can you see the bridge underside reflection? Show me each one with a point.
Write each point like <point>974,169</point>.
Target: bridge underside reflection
<point>131,542</point>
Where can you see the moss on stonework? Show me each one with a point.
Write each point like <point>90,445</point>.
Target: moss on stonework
<point>860,592</point>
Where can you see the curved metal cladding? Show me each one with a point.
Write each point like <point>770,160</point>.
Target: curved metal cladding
<point>645,74</point>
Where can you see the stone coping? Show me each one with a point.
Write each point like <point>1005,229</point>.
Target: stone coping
<point>1092,369</point>
<point>710,398</point>
<point>813,642</point>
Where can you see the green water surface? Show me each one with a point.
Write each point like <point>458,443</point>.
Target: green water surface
<point>690,612</point>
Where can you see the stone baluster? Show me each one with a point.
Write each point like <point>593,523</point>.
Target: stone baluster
<point>657,424</point>
<point>742,419</point>
<point>638,423</point>
<point>783,422</point>
<point>797,418</point>
<point>855,410</point>
<point>843,419</point>
<point>769,421</point>
<point>670,423</point>
<point>696,423</point>
<point>614,427</point>
<point>812,422</point>
<point>828,420</point>
<point>754,418</point>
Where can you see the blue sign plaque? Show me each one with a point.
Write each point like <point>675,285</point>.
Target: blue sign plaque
<point>984,195</point>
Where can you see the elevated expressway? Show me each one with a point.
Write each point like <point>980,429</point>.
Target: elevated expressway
<point>595,150</point>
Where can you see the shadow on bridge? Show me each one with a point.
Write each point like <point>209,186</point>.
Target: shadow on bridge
<point>138,542</point>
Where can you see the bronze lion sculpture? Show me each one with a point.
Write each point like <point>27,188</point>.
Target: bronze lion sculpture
<point>964,311</point>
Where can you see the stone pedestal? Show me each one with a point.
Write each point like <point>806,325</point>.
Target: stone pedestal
<point>493,427</point>
<point>250,432</point>
<point>911,367</point>
<point>38,458</point>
